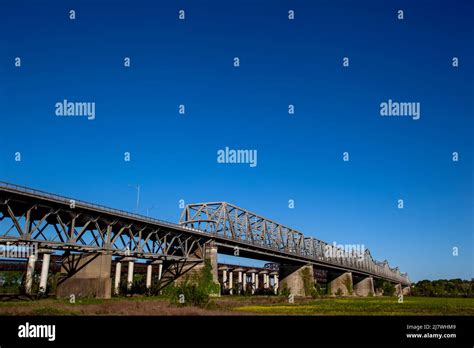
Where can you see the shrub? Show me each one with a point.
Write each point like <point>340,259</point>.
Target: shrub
<point>388,289</point>
<point>284,290</point>
<point>194,291</point>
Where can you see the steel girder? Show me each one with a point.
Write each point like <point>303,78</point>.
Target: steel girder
<point>221,219</point>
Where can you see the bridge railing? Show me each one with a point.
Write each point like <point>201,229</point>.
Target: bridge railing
<point>81,203</point>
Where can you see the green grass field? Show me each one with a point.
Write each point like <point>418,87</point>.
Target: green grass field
<point>369,306</point>
<point>235,305</point>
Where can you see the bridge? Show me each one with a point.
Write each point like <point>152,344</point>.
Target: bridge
<point>91,238</point>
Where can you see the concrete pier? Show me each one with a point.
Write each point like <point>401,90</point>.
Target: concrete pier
<point>30,270</point>
<point>365,287</point>
<point>342,282</point>
<point>231,285</point>
<point>149,270</point>
<point>192,271</point>
<point>239,279</point>
<point>44,273</point>
<point>252,275</point>
<point>398,289</point>
<point>118,274</point>
<point>291,276</point>
<point>275,282</point>
<point>266,281</point>
<point>130,275</point>
<point>160,268</point>
<point>86,275</point>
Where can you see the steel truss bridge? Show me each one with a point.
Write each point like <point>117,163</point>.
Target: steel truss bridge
<point>59,223</point>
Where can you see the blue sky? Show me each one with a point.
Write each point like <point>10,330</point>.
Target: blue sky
<point>282,62</point>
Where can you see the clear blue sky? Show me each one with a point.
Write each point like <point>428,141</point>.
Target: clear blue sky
<point>282,62</point>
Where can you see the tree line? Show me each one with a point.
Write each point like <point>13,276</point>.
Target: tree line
<point>444,288</point>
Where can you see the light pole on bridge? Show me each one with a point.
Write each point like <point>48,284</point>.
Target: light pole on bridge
<point>137,187</point>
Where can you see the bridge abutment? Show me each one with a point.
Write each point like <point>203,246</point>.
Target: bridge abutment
<point>298,279</point>
<point>86,275</point>
<point>365,287</point>
<point>341,284</point>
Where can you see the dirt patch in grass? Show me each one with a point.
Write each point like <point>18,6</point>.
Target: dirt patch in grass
<point>124,307</point>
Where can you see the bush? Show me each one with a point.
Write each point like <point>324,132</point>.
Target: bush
<point>193,291</point>
<point>388,289</point>
<point>317,291</point>
<point>284,290</point>
<point>138,286</point>
<point>187,294</point>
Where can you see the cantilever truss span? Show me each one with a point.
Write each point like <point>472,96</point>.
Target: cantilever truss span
<point>221,219</point>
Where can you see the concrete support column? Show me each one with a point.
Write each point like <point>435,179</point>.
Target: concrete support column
<point>341,284</point>
<point>275,283</point>
<point>44,273</point>
<point>130,275</point>
<point>30,270</point>
<point>398,289</point>
<point>160,271</point>
<point>293,278</point>
<point>149,269</point>
<point>244,282</point>
<point>118,274</point>
<point>365,287</point>
<point>256,281</point>
<point>406,291</point>
<point>253,283</point>
<point>224,279</point>
<point>231,282</point>
<point>265,280</point>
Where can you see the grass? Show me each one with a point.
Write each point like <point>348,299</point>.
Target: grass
<point>80,301</point>
<point>261,305</point>
<point>369,306</point>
